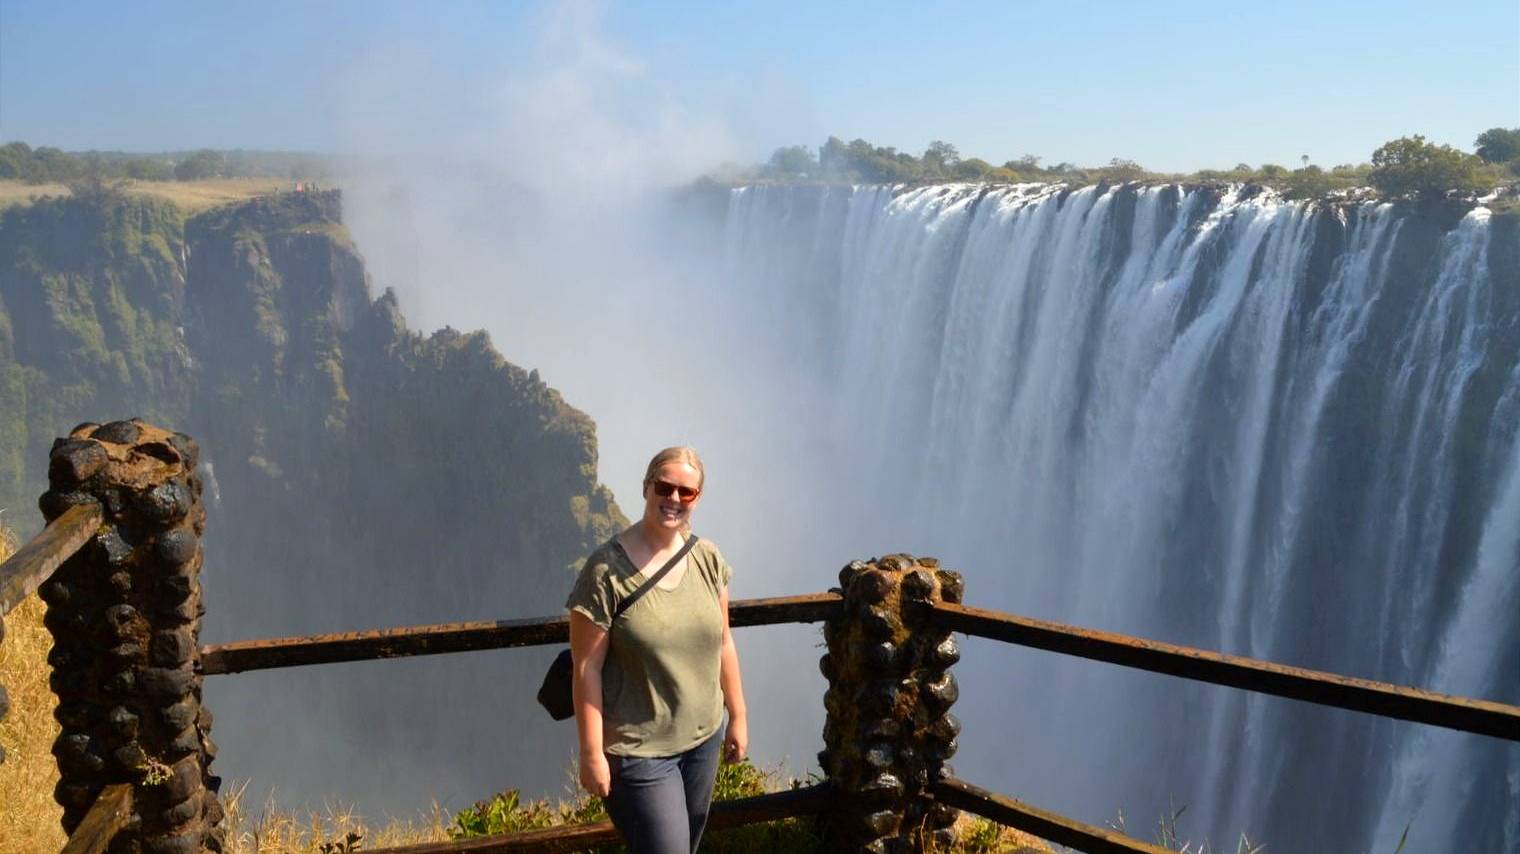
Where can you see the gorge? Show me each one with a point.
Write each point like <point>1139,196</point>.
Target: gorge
<point>1199,414</point>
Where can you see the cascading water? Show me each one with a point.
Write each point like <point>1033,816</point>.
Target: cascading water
<point>1212,417</point>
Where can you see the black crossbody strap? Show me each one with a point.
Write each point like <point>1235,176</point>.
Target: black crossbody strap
<point>654,579</point>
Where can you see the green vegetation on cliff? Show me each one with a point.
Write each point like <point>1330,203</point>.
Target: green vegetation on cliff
<point>21,162</point>
<point>90,300</point>
<point>252,326</point>
<point>1406,168</point>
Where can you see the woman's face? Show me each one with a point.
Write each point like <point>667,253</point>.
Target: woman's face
<point>682,485</point>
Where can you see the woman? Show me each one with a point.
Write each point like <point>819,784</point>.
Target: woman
<point>650,686</point>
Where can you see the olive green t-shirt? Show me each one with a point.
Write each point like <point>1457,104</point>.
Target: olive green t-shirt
<point>660,690</point>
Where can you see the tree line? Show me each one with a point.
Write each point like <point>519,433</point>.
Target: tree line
<point>45,164</point>
<point>1406,168</point>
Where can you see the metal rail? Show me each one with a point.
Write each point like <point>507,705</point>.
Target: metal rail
<point>775,806</point>
<point>107,816</point>
<point>1483,717</point>
<point>243,656</point>
<point>1046,825</point>
<point>24,571</point>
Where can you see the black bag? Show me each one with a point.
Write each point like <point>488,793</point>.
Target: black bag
<point>555,694</point>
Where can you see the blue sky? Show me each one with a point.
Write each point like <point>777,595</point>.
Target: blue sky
<point>1174,86</point>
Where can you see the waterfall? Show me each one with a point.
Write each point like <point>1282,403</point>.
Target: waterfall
<point>1209,416</point>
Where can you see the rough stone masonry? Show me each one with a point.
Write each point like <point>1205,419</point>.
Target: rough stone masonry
<point>125,614</point>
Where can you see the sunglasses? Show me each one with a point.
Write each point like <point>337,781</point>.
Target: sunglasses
<point>685,494</point>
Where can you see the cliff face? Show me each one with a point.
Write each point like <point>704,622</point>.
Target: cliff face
<point>358,474</point>
<point>253,327</point>
<point>369,444</point>
<point>91,298</point>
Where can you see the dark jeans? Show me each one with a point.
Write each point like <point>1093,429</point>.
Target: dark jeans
<point>660,805</point>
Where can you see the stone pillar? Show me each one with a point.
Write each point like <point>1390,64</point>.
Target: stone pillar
<point>889,731</point>
<point>125,613</point>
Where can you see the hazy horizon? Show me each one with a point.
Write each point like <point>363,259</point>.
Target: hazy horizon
<point>1200,87</point>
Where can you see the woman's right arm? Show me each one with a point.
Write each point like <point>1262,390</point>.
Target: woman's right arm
<point>588,649</point>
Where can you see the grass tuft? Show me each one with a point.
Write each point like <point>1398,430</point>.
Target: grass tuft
<point>337,829</point>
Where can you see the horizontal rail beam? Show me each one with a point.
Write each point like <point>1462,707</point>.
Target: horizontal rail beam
<point>1483,717</point>
<point>107,816</point>
<point>243,656</point>
<point>775,806</point>
<point>25,570</point>
<point>1046,825</point>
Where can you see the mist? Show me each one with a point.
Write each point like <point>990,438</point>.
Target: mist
<point>544,207</point>
<point>1099,405</point>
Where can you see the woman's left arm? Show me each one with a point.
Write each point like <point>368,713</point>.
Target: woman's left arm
<point>736,743</point>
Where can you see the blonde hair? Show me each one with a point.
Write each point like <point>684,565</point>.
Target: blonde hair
<point>676,454</point>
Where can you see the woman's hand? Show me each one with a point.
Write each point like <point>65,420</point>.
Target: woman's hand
<point>596,776</point>
<point>736,742</point>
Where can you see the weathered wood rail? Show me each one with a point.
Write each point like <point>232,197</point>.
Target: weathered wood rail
<point>889,629</point>
<point>243,656</point>
<point>1042,823</point>
<point>109,814</point>
<point>1378,698</point>
<point>23,572</point>
<point>1264,677</point>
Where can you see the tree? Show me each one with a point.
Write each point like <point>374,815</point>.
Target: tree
<point>90,184</point>
<point>1272,170</point>
<point>1119,169</point>
<point>1410,167</point>
<point>199,166</point>
<point>940,156</point>
<point>973,169</point>
<point>1498,145</point>
<point>54,164</point>
<point>1310,182</point>
<point>1028,164</point>
<point>793,161</point>
<point>15,161</point>
<point>832,157</point>
<point>147,169</point>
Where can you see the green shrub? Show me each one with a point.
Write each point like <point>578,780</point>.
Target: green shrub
<point>507,812</point>
<point>1410,167</point>
<point>1498,145</point>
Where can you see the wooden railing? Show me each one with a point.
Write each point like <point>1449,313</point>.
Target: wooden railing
<point>926,605</point>
<point>109,814</point>
<point>244,656</point>
<point>1264,677</point>
<point>23,572</point>
<point>1385,700</point>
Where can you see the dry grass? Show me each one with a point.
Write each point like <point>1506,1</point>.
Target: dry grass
<point>976,835</point>
<point>194,196</point>
<point>190,196</point>
<point>22,193</point>
<point>271,830</point>
<point>29,818</point>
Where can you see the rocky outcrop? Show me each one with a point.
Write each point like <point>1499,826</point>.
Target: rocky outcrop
<point>358,474</point>
<point>253,327</point>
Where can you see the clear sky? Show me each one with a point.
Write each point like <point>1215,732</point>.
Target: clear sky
<point>1173,85</point>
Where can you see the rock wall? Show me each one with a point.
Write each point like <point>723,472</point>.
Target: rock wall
<point>358,474</point>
